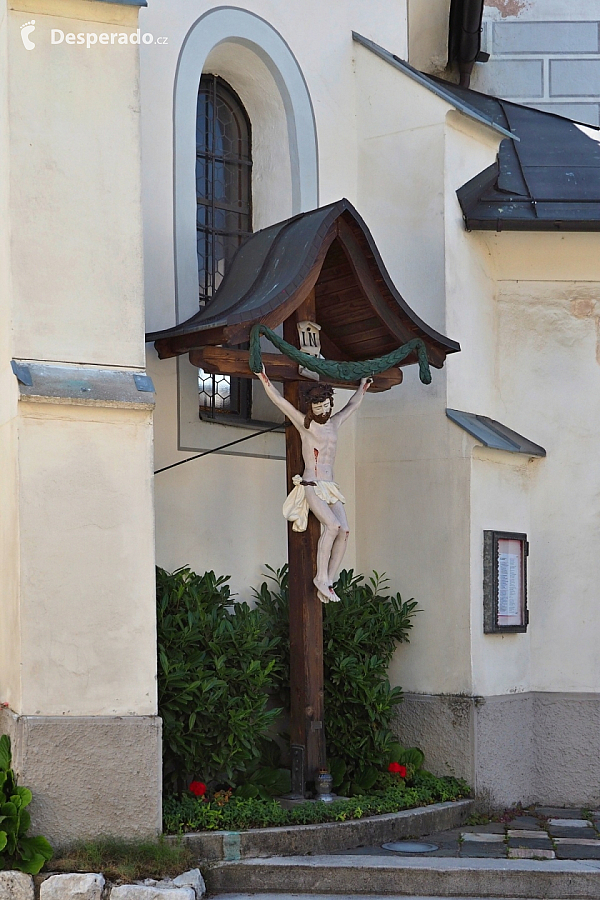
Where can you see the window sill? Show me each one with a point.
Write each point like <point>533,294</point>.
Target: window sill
<point>247,424</point>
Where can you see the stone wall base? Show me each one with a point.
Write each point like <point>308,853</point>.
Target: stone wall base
<point>529,748</point>
<point>90,775</point>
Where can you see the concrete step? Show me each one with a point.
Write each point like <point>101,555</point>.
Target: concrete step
<point>348,897</point>
<point>440,877</point>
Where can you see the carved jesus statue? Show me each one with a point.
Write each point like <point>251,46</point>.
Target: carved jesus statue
<point>315,489</point>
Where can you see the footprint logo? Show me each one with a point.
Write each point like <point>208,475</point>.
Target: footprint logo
<point>26,30</point>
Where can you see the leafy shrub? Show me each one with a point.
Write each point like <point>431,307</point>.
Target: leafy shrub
<point>190,814</point>
<point>215,669</point>
<point>360,636</point>
<point>265,778</point>
<point>17,851</point>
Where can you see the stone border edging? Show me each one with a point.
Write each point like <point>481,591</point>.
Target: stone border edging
<point>299,840</point>
<point>92,886</point>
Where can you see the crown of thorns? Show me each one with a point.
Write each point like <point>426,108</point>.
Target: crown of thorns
<point>319,394</point>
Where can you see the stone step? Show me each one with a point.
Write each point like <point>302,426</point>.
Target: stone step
<point>350,897</point>
<point>439,877</point>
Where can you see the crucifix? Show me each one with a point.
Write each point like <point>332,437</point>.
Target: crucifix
<point>317,539</point>
<point>320,266</point>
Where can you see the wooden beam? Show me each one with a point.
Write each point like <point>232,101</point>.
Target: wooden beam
<point>227,361</point>
<point>176,346</point>
<point>307,727</point>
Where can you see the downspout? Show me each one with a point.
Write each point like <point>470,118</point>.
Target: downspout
<point>464,37</point>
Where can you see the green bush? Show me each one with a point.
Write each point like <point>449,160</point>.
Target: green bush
<point>189,814</point>
<point>17,851</point>
<point>215,669</point>
<point>360,636</point>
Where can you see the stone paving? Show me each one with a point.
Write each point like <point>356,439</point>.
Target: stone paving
<point>537,833</point>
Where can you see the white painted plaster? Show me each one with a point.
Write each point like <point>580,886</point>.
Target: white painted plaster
<point>87,595</point>
<point>500,501</point>
<point>400,196</point>
<point>75,217</point>
<point>549,363</point>
<point>76,517</point>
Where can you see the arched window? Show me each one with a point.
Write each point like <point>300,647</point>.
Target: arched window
<point>224,217</point>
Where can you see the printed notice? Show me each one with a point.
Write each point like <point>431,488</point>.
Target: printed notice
<point>509,584</point>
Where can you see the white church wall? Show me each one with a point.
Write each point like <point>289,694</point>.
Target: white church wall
<point>408,487</point>
<point>500,501</point>
<point>84,488</point>
<point>76,524</point>
<point>60,312</point>
<point>401,195</point>
<point>550,374</point>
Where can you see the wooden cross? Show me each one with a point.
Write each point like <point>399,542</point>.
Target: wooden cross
<point>307,726</point>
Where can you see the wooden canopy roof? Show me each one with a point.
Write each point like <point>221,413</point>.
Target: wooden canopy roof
<point>329,251</point>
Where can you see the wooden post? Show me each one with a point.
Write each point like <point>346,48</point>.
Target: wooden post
<point>306,611</point>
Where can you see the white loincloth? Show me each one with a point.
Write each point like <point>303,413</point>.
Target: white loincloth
<point>296,509</point>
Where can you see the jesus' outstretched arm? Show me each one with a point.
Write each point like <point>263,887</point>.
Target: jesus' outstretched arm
<point>293,414</point>
<point>354,402</point>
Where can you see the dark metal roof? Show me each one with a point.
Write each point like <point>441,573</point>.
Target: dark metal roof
<point>549,181</point>
<point>330,249</point>
<point>493,434</point>
<point>546,177</point>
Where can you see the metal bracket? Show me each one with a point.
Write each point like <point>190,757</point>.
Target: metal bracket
<point>298,770</point>
<point>144,383</point>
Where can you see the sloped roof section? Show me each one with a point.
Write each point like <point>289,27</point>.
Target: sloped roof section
<point>331,250</point>
<point>547,174</point>
<point>548,181</point>
<point>494,434</point>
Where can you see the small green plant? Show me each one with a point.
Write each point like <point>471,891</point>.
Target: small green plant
<point>216,667</point>
<point>118,859</point>
<point>17,851</point>
<point>360,636</point>
<point>477,819</point>
<point>186,813</point>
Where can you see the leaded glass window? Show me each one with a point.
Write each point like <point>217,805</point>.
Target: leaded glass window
<point>224,217</point>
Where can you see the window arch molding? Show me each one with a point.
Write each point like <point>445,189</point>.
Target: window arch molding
<point>229,25</point>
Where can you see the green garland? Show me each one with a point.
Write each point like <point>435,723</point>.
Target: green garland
<point>338,371</point>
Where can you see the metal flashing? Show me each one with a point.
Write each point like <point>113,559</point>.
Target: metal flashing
<point>128,2</point>
<point>144,383</point>
<point>550,181</point>
<point>435,86</point>
<point>493,434</point>
<point>84,386</point>
<point>22,372</point>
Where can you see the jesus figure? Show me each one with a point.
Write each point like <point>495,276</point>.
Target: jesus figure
<point>315,489</point>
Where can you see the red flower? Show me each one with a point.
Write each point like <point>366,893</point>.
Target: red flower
<point>198,788</point>
<point>397,769</point>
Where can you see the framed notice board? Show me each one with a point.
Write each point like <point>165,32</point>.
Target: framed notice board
<point>505,582</point>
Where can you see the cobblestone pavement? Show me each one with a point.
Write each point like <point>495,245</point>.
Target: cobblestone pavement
<point>538,833</point>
